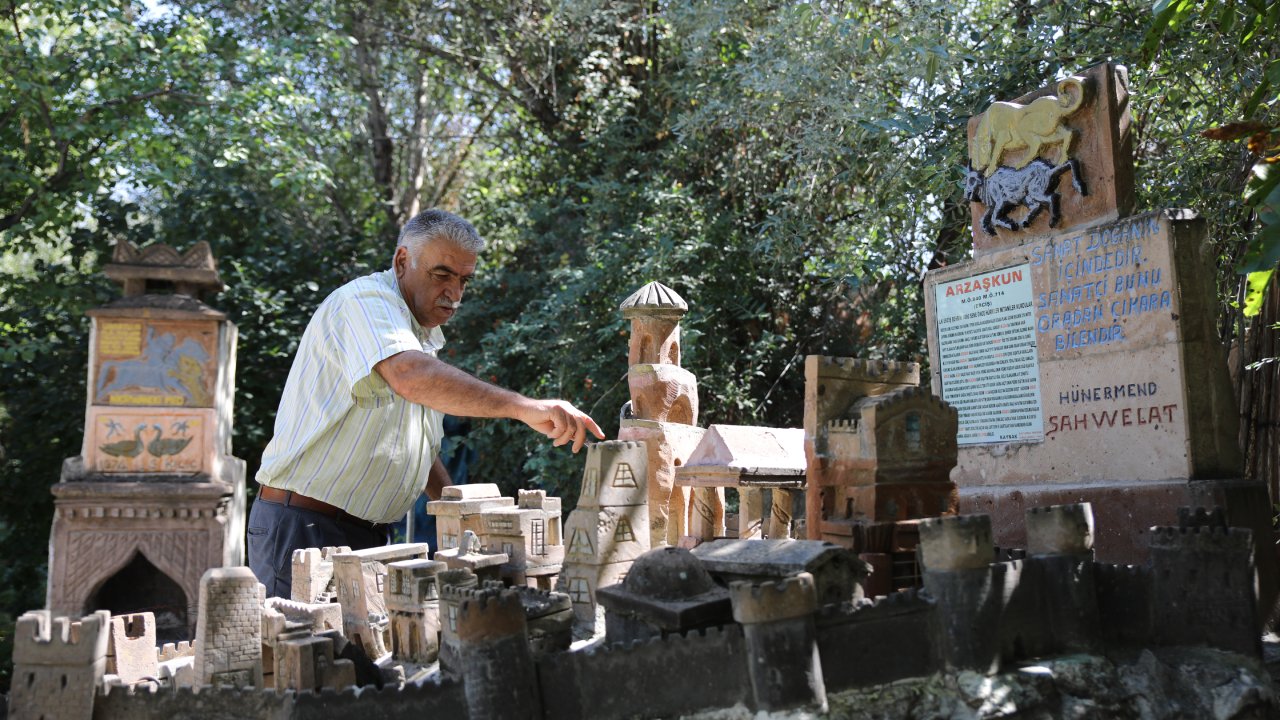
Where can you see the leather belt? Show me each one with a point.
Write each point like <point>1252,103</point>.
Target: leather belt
<point>288,498</point>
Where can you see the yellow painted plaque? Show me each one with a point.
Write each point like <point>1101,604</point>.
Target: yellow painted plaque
<point>120,339</point>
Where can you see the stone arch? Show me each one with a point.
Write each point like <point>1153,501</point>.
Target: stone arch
<point>138,585</point>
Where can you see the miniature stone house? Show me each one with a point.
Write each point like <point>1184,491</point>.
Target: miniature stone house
<point>413,607</point>
<point>529,535</point>
<point>765,466</point>
<point>360,577</point>
<point>837,573</point>
<point>891,459</point>
<point>666,592</point>
<point>155,498</point>
<point>459,508</point>
<point>879,451</point>
<point>313,574</point>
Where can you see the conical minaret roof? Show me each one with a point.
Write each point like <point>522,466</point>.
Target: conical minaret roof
<point>654,299</point>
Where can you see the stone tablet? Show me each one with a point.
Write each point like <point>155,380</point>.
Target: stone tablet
<point>1128,365</point>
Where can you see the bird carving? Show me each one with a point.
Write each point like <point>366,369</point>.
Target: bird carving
<point>126,448</point>
<point>162,446</point>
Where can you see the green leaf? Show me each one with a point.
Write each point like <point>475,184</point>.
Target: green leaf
<point>1263,252</point>
<point>1257,290</point>
<point>1262,184</point>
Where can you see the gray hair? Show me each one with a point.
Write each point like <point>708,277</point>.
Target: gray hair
<point>435,224</point>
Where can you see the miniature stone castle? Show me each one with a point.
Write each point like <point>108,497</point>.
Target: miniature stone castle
<point>776,642</point>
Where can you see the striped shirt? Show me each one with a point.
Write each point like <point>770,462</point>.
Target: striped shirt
<point>342,436</point>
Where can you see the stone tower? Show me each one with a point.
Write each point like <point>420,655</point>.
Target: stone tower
<point>606,532</point>
<point>664,404</point>
<point>155,498</point>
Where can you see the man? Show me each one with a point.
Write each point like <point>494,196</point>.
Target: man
<point>359,426</point>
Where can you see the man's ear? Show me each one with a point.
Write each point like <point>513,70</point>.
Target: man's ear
<point>400,261</point>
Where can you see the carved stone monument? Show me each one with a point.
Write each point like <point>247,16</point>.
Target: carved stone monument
<point>155,498</point>
<point>1079,345</point>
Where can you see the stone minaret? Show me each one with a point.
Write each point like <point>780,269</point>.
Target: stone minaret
<point>664,404</point>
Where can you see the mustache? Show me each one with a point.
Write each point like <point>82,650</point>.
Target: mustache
<point>451,305</point>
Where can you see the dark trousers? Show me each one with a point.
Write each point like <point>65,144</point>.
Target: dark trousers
<point>276,530</point>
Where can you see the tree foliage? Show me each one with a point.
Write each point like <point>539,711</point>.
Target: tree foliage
<point>791,169</point>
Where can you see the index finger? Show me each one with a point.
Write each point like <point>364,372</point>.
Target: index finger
<point>593,427</point>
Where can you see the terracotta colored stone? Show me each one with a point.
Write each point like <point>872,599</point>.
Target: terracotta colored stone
<point>668,446</point>
<point>663,393</point>
<point>155,492</point>
<point>138,441</point>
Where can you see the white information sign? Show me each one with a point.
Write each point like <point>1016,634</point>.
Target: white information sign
<point>987,347</point>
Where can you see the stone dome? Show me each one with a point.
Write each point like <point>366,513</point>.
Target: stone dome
<point>654,299</point>
<point>668,573</point>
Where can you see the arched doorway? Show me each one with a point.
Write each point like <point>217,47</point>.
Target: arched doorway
<point>142,587</point>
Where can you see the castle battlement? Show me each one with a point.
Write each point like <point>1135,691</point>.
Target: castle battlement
<point>957,542</point>
<point>771,601</point>
<point>170,651</point>
<point>1060,529</point>
<point>1202,539</point>
<point>489,615</point>
<point>838,425</point>
<point>881,371</point>
<point>1201,517</point>
<point>458,594</point>
<point>40,639</point>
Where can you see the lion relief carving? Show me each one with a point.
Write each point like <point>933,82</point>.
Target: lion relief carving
<point>1010,127</point>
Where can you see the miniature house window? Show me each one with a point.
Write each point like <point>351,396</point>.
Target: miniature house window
<point>591,483</point>
<point>623,477</point>
<point>624,533</point>
<point>578,590</point>
<point>508,549</point>
<point>380,580</point>
<point>453,618</point>
<point>430,593</point>
<point>580,544</point>
<point>538,537</point>
<point>913,432</point>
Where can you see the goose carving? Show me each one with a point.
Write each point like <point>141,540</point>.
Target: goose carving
<point>162,446</point>
<point>126,448</point>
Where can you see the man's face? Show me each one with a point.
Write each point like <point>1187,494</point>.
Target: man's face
<point>433,285</point>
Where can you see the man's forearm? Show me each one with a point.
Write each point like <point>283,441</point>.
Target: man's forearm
<point>425,380</point>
